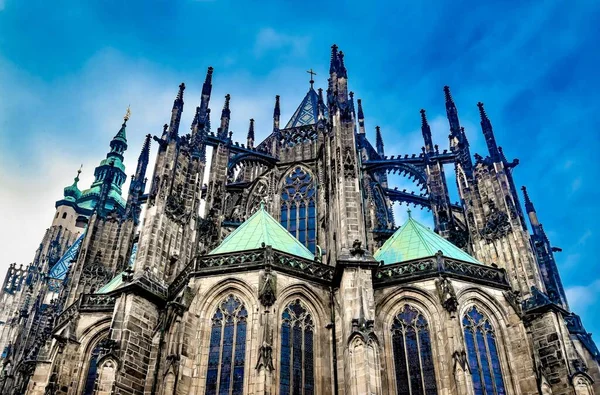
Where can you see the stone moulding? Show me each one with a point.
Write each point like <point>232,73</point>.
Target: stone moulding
<point>420,269</point>
<point>252,260</point>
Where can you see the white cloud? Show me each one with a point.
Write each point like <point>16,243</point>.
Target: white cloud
<point>581,297</point>
<point>268,39</point>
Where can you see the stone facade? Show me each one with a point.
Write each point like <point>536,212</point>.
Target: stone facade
<point>148,308</point>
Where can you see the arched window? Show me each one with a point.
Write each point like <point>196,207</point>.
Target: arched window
<point>297,374</point>
<point>483,354</point>
<point>64,215</point>
<point>298,209</point>
<point>92,373</point>
<point>227,352</point>
<point>413,361</point>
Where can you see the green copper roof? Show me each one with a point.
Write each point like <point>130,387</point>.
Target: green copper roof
<point>415,241</point>
<point>262,228</point>
<point>112,284</point>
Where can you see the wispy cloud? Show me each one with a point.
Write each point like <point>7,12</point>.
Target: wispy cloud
<point>582,297</point>
<point>269,39</point>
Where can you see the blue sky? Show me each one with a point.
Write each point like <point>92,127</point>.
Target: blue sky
<point>69,69</point>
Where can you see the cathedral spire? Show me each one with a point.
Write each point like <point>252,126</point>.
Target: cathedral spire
<point>276,113</point>
<point>250,138</point>
<point>176,114</point>
<point>225,117</point>
<point>361,118</point>
<point>452,113</point>
<point>138,182</point>
<point>488,133</point>
<point>205,98</point>
<point>426,130</point>
<point>379,141</point>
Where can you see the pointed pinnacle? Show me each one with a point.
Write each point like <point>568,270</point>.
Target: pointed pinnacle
<point>360,109</point>
<point>424,122</point>
<point>180,93</point>
<point>251,129</point>
<point>277,110</point>
<point>482,111</point>
<point>447,94</point>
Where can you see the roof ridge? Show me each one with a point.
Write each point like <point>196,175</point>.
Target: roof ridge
<point>417,225</point>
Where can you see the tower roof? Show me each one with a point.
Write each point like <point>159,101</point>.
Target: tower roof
<point>262,228</point>
<point>415,241</point>
<point>307,112</point>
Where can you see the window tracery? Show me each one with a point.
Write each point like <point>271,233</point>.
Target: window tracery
<point>227,354</point>
<point>259,194</point>
<point>482,352</point>
<point>298,208</point>
<point>297,351</point>
<point>413,358</point>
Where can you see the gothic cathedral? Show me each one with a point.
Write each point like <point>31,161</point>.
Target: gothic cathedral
<point>286,272</point>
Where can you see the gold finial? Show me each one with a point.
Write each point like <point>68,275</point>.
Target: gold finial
<point>79,171</point>
<point>127,114</point>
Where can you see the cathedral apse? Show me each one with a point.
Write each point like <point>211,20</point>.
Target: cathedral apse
<point>286,272</point>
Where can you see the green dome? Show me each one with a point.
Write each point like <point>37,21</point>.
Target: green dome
<point>415,241</point>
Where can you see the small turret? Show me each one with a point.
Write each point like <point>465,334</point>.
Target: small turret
<point>488,133</point>
<point>138,182</point>
<point>72,192</point>
<point>426,131</point>
<point>250,138</point>
<point>379,141</point>
<point>452,113</point>
<point>321,106</point>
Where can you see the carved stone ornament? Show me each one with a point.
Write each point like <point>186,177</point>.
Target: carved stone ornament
<point>349,167</point>
<point>265,357</point>
<point>497,225</point>
<point>363,327</point>
<point>175,208</point>
<point>267,288</point>
<point>357,248</point>
<point>446,294</point>
<point>460,359</point>
<point>514,300</point>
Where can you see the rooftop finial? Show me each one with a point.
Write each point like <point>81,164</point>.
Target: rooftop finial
<point>409,212</point>
<point>127,114</point>
<point>424,118</point>
<point>482,113</point>
<point>312,81</point>
<point>528,204</point>
<point>447,94</point>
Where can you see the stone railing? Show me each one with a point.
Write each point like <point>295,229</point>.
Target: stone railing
<point>251,260</point>
<point>96,302</point>
<point>438,265</point>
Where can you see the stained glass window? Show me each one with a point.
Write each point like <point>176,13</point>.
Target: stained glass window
<point>297,354</point>
<point>298,209</point>
<point>92,373</point>
<point>227,353</point>
<point>413,360</point>
<point>483,354</point>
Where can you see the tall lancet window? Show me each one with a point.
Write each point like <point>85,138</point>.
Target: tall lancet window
<point>483,354</point>
<point>298,209</point>
<point>413,361</point>
<point>297,374</point>
<point>92,372</point>
<point>227,354</point>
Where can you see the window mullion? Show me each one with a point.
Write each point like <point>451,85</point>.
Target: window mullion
<point>234,346</point>
<point>418,337</point>
<point>406,360</point>
<point>479,364</point>
<point>488,356</point>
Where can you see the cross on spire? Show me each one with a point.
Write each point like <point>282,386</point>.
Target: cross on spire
<point>312,73</point>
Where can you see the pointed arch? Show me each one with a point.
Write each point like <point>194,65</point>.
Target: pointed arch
<point>258,194</point>
<point>298,210</point>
